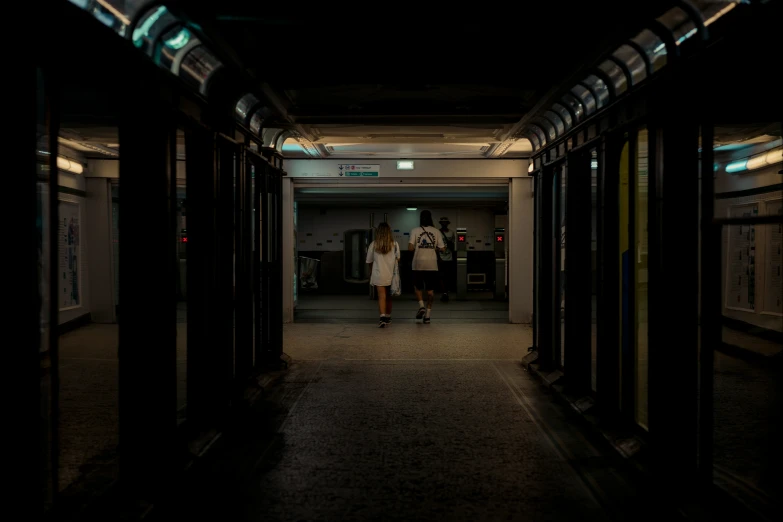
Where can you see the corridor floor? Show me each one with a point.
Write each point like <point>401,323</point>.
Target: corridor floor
<point>417,422</point>
<point>339,309</point>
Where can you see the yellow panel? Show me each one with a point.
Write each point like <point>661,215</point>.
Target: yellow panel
<point>624,199</point>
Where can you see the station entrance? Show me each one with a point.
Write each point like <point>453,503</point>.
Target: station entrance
<point>335,222</point>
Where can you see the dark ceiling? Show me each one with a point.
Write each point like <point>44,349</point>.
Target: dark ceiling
<point>422,64</point>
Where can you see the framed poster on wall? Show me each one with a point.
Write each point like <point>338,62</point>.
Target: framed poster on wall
<point>69,254</point>
<point>741,261</point>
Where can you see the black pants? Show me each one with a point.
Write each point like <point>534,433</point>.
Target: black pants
<point>447,270</point>
<point>425,280</point>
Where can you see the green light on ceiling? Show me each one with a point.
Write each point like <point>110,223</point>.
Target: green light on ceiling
<point>179,41</point>
<point>144,29</point>
<point>737,166</point>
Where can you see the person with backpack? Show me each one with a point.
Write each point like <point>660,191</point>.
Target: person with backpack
<point>446,259</point>
<point>425,243</point>
<point>382,255</point>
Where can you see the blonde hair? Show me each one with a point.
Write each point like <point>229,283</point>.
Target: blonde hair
<point>384,241</point>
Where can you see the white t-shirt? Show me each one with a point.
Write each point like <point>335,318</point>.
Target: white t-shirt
<point>382,264</point>
<point>426,240</point>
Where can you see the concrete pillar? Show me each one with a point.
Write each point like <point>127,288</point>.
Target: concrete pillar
<point>520,250</point>
<point>99,249</point>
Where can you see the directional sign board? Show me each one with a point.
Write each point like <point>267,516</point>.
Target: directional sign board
<point>361,170</point>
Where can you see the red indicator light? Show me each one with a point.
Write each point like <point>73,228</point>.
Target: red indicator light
<point>499,239</point>
<point>184,240</point>
<point>461,239</point>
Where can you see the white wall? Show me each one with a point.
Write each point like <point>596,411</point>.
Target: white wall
<point>110,168</point>
<point>763,313</point>
<point>322,229</point>
<point>104,168</point>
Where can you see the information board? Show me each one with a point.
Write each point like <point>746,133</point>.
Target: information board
<point>741,266</point>
<point>358,170</point>
<point>69,254</point>
<point>773,286</point>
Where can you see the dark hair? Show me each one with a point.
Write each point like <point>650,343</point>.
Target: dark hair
<point>425,220</point>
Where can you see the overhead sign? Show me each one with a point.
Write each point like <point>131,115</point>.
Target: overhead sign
<point>360,170</point>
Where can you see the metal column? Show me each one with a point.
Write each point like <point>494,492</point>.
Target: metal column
<point>271,280</point>
<point>201,346</point>
<point>243,358</point>
<point>579,295</point>
<point>228,153</point>
<point>267,238</point>
<point>546,286</point>
<point>147,330</point>
<point>674,290</point>
<point>32,363</point>
<point>608,351</point>
<point>275,348</point>
<point>260,253</point>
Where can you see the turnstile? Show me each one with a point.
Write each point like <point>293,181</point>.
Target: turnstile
<point>462,263</point>
<point>500,263</point>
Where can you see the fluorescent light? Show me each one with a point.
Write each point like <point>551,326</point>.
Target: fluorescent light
<point>737,166</point>
<point>144,29</point>
<point>774,156</point>
<point>405,165</point>
<point>180,40</point>
<point>412,208</point>
<point>729,7</point>
<point>757,161</point>
<point>71,166</point>
<point>765,159</point>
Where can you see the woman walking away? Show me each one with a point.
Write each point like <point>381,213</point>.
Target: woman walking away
<point>425,242</point>
<point>382,255</point>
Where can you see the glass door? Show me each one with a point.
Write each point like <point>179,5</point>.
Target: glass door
<point>632,276</point>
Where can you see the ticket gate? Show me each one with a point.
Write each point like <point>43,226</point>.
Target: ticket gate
<point>462,263</point>
<point>500,263</point>
<point>355,243</point>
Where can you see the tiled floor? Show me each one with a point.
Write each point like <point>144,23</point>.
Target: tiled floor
<point>412,423</point>
<point>748,427</point>
<point>338,309</point>
<point>89,416</point>
<point>88,427</point>
<point>407,341</point>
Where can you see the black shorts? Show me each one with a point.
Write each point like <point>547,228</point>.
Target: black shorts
<point>444,266</point>
<point>425,279</point>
